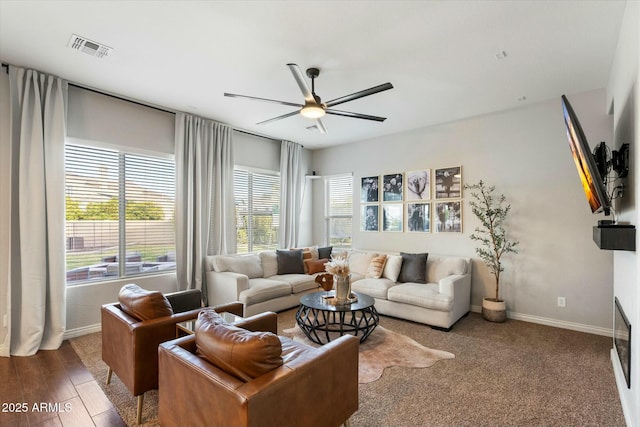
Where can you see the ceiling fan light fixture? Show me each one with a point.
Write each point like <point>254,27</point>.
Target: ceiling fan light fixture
<point>312,111</point>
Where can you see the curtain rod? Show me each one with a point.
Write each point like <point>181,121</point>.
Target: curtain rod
<point>6,67</point>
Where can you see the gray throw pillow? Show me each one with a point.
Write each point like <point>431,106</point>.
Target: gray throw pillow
<point>290,262</point>
<point>414,268</point>
<point>325,252</point>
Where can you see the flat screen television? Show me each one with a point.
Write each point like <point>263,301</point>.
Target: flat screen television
<point>590,177</point>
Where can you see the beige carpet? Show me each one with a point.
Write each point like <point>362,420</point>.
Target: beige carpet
<point>384,348</point>
<point>504,374</point>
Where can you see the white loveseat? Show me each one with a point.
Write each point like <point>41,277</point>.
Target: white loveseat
<point>253,280</point>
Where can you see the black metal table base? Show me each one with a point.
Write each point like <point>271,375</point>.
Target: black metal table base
<point>321,326</point>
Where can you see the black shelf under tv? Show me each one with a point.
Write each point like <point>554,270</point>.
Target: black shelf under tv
<point>615,237</point>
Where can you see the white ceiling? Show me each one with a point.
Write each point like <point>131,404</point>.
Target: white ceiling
<point>439,55</point>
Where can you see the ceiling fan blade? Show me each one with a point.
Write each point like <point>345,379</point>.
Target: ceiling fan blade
<point>302,83</point>
<point>320,126</point>
<point>274,101</point>
<point>284,116</point>
<point>355,115</point>
<point>360,94</point>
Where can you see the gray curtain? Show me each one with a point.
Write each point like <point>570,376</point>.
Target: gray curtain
<point>37,307</point>
<point>290,191</point>
<point>205,213</point>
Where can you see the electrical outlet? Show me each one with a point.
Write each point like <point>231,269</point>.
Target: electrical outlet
<point>562,302</point>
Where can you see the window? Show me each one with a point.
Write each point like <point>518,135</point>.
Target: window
<point>339,210</point>
<point>117,204</point>
<point>257,198</point>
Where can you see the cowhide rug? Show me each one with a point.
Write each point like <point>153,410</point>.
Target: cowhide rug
<point>382,349</point>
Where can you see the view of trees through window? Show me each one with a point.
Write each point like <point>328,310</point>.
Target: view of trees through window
<point>117,203</point>
<point>257,200</point>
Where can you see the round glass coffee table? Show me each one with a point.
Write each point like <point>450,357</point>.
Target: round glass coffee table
<point>321,320</point>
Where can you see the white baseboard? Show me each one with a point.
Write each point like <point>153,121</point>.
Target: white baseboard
<point>621,383</point>
<point>85,330</point>
<point>580,327</point>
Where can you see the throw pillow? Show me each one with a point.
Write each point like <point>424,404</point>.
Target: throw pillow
<point>143,304</point>
<point>315,266</point>
<point>237,351</point>
<point>376,267</point>
<point>414,268</point>
<point>392,267</point>
<point>290,262</point>
<point>325,252</point>
<point>269,262</point>
<point>306,254</point>
<point>359,261</point>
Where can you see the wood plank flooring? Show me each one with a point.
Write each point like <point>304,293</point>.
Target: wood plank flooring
<point>52,388</point>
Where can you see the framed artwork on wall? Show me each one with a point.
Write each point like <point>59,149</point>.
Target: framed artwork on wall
<point>392,187</point>
<point>448,217</point>
<point>448,183</point>
<point>419,217</point>
<point>418,185</point>
<point>392,217</point>
<point>369,218</point>
<point>369,189</point>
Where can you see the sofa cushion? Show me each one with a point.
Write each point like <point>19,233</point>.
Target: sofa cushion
<point>421,295</point>
<point>290,262</point>
<point>239,352</point>
<point>269,261</point>
<point>325,252</point>
<point>248,265</point>
<point>414,268</point>
<point>297,282</point>
<point>440,267</point>
<point>376,288</point>
<point>359,261</point>
<point>262,289</point>
<point>376,266</point>
<point>143,304</point>
<point>314,266</point>
<point>392,267</point>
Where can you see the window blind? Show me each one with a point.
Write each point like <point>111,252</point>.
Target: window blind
<point>339,210</point>
<point>119,214</point>
<point>257,199</point>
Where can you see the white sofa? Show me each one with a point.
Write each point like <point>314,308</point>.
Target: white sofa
<point>253,280</point>
<point>440,302</point>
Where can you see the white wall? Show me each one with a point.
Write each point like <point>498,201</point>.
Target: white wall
<point>623,96</point>
<point>525,153</point>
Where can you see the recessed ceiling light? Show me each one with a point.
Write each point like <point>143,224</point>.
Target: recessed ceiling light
<point>501,55</point>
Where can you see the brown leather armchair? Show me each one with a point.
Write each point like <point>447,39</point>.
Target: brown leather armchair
<point>313,387</point>
<point>130,346</point>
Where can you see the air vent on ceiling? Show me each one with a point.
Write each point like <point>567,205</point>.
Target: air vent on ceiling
<point>89,47</point>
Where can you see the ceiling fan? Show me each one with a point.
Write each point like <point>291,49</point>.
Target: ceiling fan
<point>313,107</point>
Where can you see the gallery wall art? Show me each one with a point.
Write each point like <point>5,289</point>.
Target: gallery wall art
<point>417,201</point>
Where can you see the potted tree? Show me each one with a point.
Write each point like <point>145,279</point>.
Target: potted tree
<point>491,210</point>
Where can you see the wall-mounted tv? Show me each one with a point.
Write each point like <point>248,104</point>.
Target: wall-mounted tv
<point>591,179</point>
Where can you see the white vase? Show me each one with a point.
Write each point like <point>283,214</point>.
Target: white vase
<point>342,286</point>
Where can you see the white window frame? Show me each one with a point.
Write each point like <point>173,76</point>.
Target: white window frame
<point>327,209</point>
<point>122,151</point>
<point>255,171</point>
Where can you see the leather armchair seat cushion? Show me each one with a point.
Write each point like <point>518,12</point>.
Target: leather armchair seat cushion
<point>143,304</point>
<point>244,354</point>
